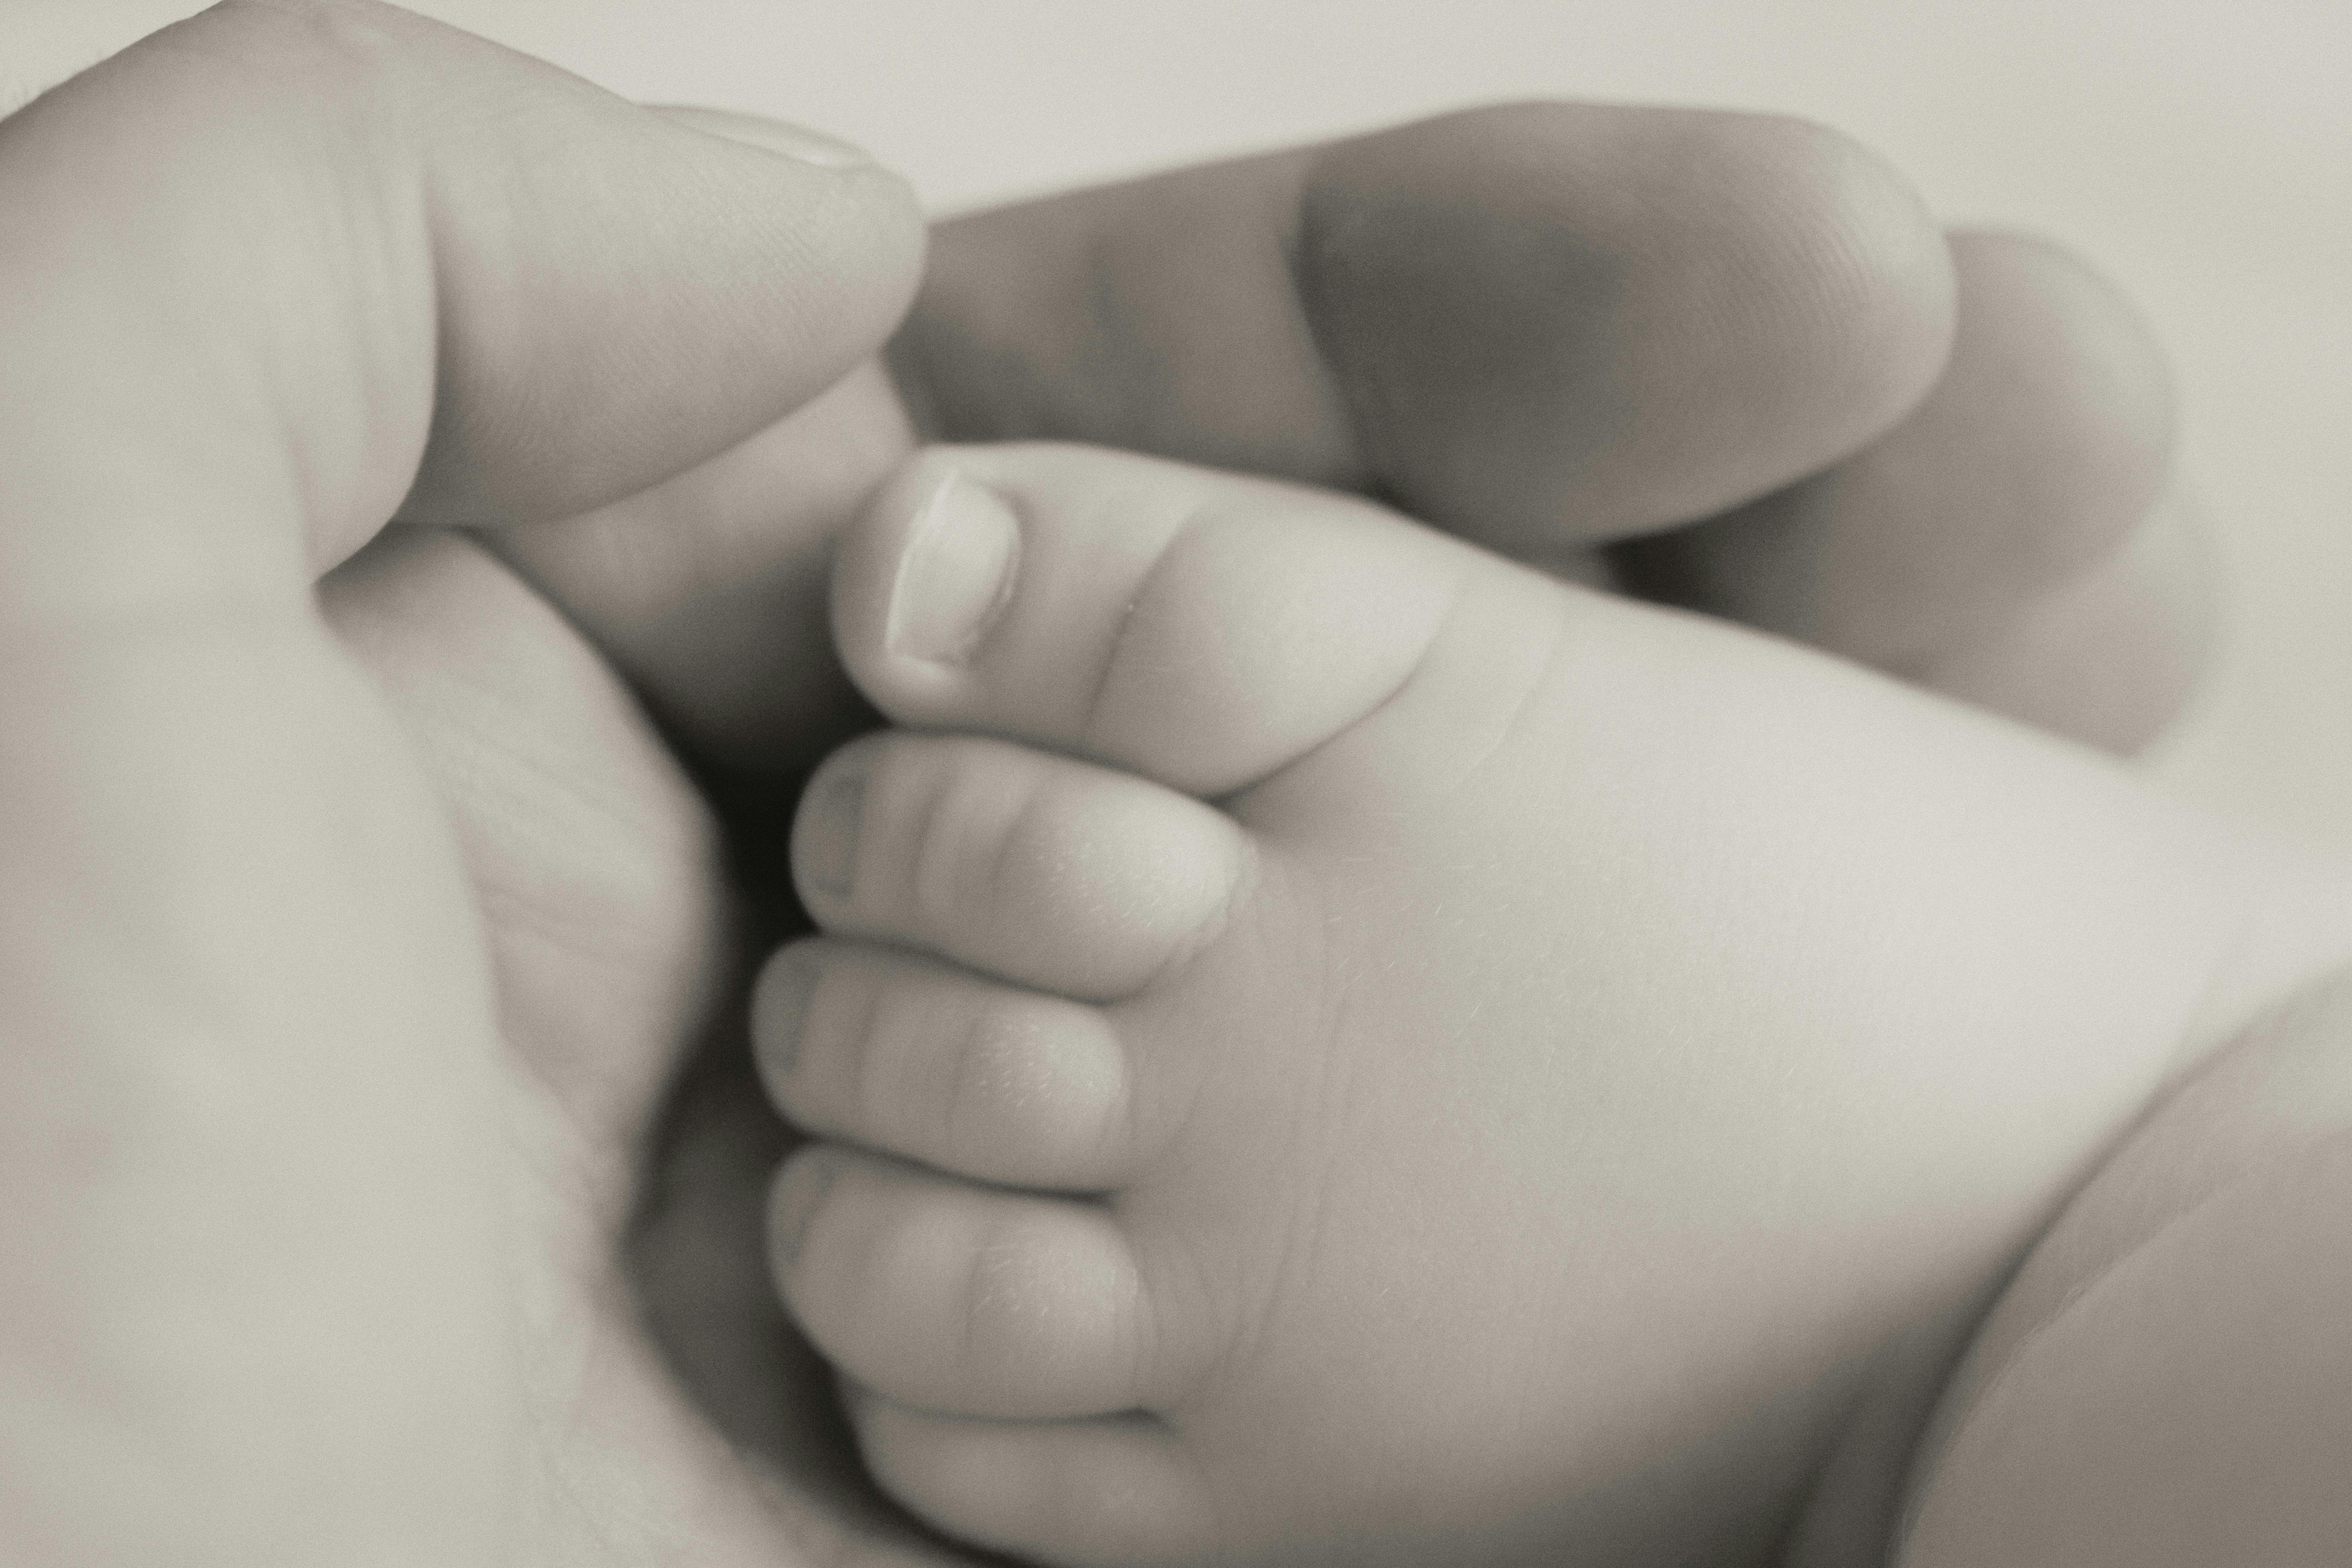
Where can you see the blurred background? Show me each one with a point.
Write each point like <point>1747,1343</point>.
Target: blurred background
<point>2197,151</point>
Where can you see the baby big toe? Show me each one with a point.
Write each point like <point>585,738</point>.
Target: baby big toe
<point>1111,1491</point>
<point>909,1056</point>
<point>955,1298</point>
<point>1037,869</point>
<point>1198,628</point>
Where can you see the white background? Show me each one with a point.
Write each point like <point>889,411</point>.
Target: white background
<point>2200,150</point>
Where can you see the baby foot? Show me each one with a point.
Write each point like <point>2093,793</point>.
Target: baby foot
<point>1335,1047</point>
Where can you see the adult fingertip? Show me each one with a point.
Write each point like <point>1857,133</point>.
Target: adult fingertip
<point>2045,442</point>
<point>1853,285</point>
<point>680,281</point>
<point>2048,333</point>
<point>864,233</point>
<point>1560,322</point>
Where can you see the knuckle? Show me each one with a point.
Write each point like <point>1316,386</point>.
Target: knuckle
<point>356,45</point>
<point>1016,850</point>
<point>947,833</point>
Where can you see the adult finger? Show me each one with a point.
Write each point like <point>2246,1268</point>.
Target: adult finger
<point>1536,324</point>
<point>708,590</point>
<point>260,278</point>
<point>2111,656</point>
<point>427,268</point>
<point>2003,542</point>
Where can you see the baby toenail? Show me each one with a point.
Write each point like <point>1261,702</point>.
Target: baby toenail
<point>779,1013</point>
<point>829,833</point>
<point>955,576</point>
<point>799,1191</point>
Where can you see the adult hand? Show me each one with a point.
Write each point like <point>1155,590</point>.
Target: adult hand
<point>1724,360</point>
<point>353,1248</point>
<point>310,1188</point>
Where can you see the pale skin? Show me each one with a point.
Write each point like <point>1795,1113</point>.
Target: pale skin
<point>1978,428</point>
<point>1335,1047</point>
<point>532,927</point>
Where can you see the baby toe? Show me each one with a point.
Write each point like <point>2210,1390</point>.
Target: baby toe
<point>1109,1490</point>
<point>1199,629</point>
<point>1040,870</point>
<point>912,1056</point>
<point>956,1297</point>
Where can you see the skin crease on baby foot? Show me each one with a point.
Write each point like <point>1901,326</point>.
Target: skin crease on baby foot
<point>1329,1046</point>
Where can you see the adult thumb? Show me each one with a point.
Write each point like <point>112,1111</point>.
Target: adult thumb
<point>300,264</point>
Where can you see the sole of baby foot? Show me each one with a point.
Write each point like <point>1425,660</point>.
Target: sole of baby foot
<point>1522,1051</point>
